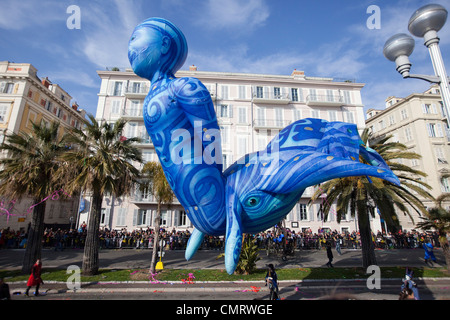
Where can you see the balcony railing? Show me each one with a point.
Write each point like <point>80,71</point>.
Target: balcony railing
<point>136,91</point>
<point>132,113</point>
<point>324,100</point>
<point>270,123</point>
<point>271,97</point>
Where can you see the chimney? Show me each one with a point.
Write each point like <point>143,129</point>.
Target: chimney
<point>193,68</point>
<point>75,106</point>
<point>46,82</point>
<point>297,73</point>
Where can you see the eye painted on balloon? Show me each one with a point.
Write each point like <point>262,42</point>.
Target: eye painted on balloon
<point>252,201</point>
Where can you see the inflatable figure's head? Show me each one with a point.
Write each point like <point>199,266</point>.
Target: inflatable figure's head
<point>156,47</point>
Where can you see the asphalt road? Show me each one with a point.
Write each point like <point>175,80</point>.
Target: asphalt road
<point>208,259</point>
<point>430,289</point>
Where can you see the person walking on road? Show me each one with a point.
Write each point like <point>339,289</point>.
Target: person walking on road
<point>329,255</point>
<point>429,254</point>
<point>35,278</point>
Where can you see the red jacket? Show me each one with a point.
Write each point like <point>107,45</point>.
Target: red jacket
<point>35,277</point>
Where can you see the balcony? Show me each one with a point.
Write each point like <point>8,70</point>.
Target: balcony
<point>137,92</point>
<point>324,100</point>
<point>147,198</point>
<point>133,114</point>
<point>270,124</point>
<point>271,98</point>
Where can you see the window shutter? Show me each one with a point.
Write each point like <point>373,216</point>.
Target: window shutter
<point>135,213</point>
<point>440,133</point>
<point>433,107</point>
<point>107,215</point>
<point>311,213</point>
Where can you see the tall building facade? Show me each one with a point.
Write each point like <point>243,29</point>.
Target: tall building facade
<point>419,121</point>
<point>25,98</point>
<point>251,109</point>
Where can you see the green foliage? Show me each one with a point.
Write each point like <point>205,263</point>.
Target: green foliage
<point>249,256</point>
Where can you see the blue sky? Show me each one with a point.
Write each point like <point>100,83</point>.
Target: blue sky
<point>324,38</point>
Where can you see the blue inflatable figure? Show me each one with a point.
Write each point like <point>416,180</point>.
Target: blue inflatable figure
<point>258,190</point>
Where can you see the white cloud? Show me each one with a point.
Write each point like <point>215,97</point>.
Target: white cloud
<point>108,29</point>
<point>232,15</point>
<point>18,15</point>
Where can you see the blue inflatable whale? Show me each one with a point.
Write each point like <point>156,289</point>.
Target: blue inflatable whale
<point>258,190</point>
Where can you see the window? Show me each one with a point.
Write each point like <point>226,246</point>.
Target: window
<point>297,114</point>
<point>294,94</point>
<point>315,114</point>
<point>224,92</point>
<point>404,114</point>
<point>440,155</point>
<point>242,145</point>
<point>9,88</point>
<point>121,216</point>
<point>242,93</point>
<point>350,117</point>
<point>164,217</point>
<point>132,130</point>
<point>391,120</point>
<point>224,111</point>
<point>302,212</point>
<point>31,119</point>
<point>261,116</point>
<point>136,87</point>
<point>48,106</point>
<point>330,97</point>
<point>115,108</point>
<point>408,134</point>
<point>224,132</point>
<point>445,185</point>
<point>242,115</point>
<point>135,110</point>
<point>347,99</point>
<point>312,95</point>
<point>182,218</point>
<point>276,93</point>
<point>381,124</point>
<point>224,161</point>
<point>279,117</point>
<point>117,88</point>
<point>332,115</point>
<point>3,110</point>
<point>429,108</point>
<point>259,92</point>
<point>435,130</point>
<point>141,217</point>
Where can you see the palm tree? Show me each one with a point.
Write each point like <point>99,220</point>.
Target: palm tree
<point>29,170</point>
<point>154,182</point>
<point>361,195</point>
<point>439,219</point>
<point>100,161</point>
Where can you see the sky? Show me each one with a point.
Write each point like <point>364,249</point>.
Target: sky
<point>323,38</point>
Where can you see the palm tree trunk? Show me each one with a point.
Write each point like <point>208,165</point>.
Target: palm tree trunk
<point>34,241</point>
<point>157,221</point>
<point>90,258</point>
<point>445,248</point>
<point>367,246</point>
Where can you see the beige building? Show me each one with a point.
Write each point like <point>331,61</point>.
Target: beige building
<point>419,122</point>
<point>251,110</point>
<point>25,98</point>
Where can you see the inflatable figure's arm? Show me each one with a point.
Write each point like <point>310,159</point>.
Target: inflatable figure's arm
<point>195,100</point>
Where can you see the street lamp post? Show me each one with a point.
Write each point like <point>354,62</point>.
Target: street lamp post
<point>424,23</point>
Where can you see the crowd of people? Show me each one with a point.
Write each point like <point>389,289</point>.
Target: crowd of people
<point>60,239</point>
